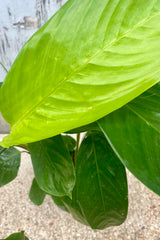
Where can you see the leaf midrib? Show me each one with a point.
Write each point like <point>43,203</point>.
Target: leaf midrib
<point>82,66</point>
<point>98,175</point>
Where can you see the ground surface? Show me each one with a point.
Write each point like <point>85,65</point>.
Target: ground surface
<point>47,222</point>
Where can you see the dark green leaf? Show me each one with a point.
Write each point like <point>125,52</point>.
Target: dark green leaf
<point>53,166</point>
<point>72,207</point>
<point>59,202</point>
<point>9,164</point>
<point>1,84</point>
<point>147,107</point>
<point>134,134</point>
<point>69,142</point>
<point>91,58</point>
<point>36,194</point>
<point>16,236</point>
<point>100,195</point>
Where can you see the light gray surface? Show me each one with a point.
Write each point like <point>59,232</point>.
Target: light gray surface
<point>4,126</point>
<point>48,222</point>
<point>18,21</point>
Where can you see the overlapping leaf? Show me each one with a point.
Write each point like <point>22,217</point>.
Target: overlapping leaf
<point>134,133</point>
<point>89,59</point>
<point>53,166</point>
<point>90,127</point>
<point>36,194</point>
<point>69,142</point>
<point>9,164</point>
<point>99,198</point>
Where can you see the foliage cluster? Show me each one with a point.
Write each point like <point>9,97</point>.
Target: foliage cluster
<point>92,68</point>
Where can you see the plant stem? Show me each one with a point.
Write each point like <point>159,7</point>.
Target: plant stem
<point>77,146</point>
<point>4,67</point>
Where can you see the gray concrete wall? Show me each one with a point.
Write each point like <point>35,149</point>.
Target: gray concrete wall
<point>19,20</point>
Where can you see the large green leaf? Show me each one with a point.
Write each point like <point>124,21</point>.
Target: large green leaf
<point>89,59</point>
<point>134,133</point>
<point>16,236</point>
<point>99,198</point>
<point>9,164</point>
<point>36,194</point>
<point>53,166</point>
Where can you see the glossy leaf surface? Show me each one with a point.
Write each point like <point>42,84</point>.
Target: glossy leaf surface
<point>36,194</point>
<point>16,236</point>
<point>9,164</point>
<point>53,166</point>
<point>89,59</point>
<point>99,198</point>
<point>134,133</point>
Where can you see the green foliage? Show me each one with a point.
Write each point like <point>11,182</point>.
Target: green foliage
<point>134,133</point>
<point>70,77</point>
<point>69,142</point>
<point>9,164</point>
<point>53,166</point>
<point>99,198</point>
<point>17,236</point>
<point>90,127</point>
<point>36,194</point>
<point>80,66</point>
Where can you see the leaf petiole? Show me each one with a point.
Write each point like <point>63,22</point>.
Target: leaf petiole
<point>4,67</point>
<point>77,147</point>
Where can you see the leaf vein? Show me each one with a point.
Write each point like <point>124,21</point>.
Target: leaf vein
<point>98,174</point>
<point>26,115</point>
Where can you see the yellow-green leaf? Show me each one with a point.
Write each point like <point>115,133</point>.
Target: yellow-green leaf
<point>89,59</point>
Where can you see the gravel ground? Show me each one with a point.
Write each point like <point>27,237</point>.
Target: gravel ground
<point>48,222</point>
